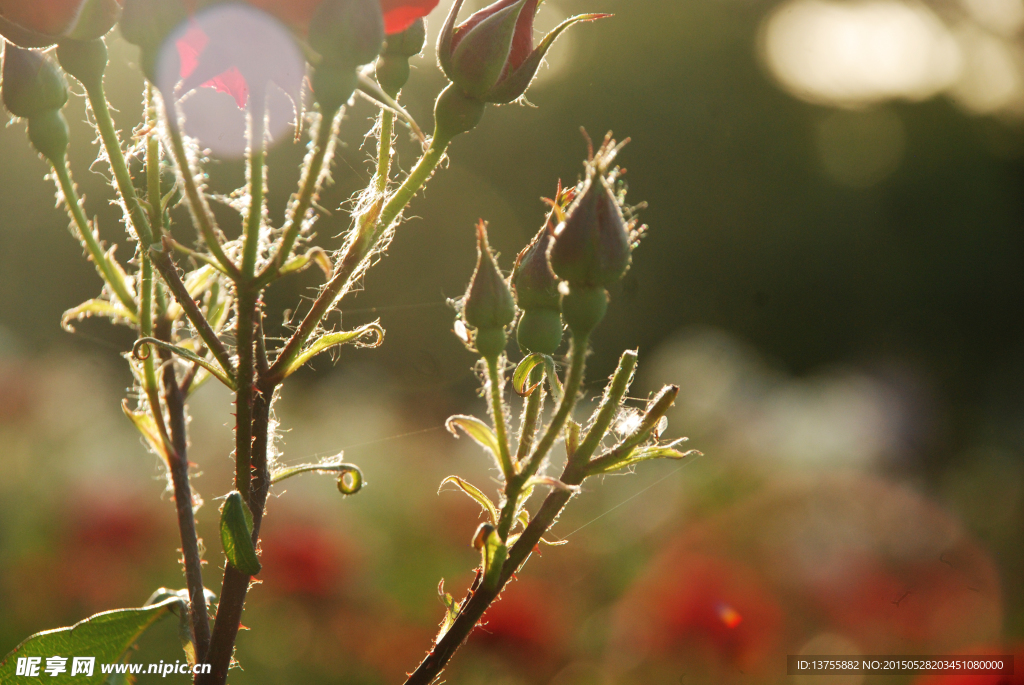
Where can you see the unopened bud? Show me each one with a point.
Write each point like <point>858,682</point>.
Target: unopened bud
<point>147,23</point>
<point>540,331</point>
<point>583,307</point>
<point>333,85</point>
<point>536,291</point>
<point>488,302</point>
<point>347,32</point>
<point>85,60</point>
<point>455,113</point>
<point>32,83</point>
<point>48,133</point>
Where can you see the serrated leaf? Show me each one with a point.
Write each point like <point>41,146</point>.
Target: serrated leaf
<point>474,492</point>
<point>105,636</point>
<point>115,312</point>
<point>146,425</point>
<point>522,374</point>
<point>236,535</point>
<point>476,429</point>
<point>329,340</point>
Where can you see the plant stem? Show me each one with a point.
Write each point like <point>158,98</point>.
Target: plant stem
<point>573,381</point>
<point>257,167</point>
<point>610,404</point>
<point>183,500</point>
<point>309,186</point>
<point>108,272</point>
<point>112,145</point>
<point>494,383</point>
<point>528,424</point>
<point>150,384</point>
<point>197,203</point>
<point>359,247</point>
<point>245,346</point>
<point>387,128</point>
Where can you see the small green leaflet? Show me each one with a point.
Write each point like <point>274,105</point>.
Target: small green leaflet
<point>474,492</point>
<point>522,374</point>
<point>106,636</point>
<point>236,535</point>
<point>476,429</point>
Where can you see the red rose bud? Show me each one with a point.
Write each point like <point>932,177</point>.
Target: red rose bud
<point>392,68</point>
<point>32,83</point>
<point>491,55</point>
<point>400,15</point>
<point>592,245</point>
<point>347,32</point>
<point>85,60</point>
<point>488,305</point>
<point>40,23</point>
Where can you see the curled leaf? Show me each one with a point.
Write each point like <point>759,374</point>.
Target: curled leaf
<point>236,535</point>
<point>522,374</point>
<point>474,492</point>
<point>115,312</point>
<point>316,255</point>
<point>360,337</point>
<point>451,609</point>
<point>350,478</point>
<point>141,351</point>
<point>476,429</point>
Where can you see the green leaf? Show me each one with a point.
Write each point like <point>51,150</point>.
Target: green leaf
<point>236,535</point>
<point>115,312</point>
<point>640,454</point>
<point>553,483</point>
<point>522,374</point>
<point>451,609</point>
<point>329,340</point>
<point>474,492</point>
<point>106,637</point>
<point>146,425</point>
<point>476,429</point>
<point>140,351</point>
<point>554,384</point>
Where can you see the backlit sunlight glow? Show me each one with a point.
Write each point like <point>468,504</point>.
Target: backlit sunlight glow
<point>852,53</point>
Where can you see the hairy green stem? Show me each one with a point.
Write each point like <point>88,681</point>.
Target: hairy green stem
<point>108,272</point>
<point>358,249</point>
<point>610,404</point>
<point>245,345</point>
<point>257,173</point>
<point>312,177</point>
<point>497,403</point>
<point>531,411</point>
<point>387,128</point>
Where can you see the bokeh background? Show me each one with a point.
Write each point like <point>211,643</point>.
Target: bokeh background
<point>834,276</point>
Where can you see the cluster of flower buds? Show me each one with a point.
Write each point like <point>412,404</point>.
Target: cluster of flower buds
<point>41,24</point>
<point>34,89</point>
<point>393,64</point>
<point>562,276</point>
<point>592,246</point>
<point>536,288</point>
<point>488,305</point>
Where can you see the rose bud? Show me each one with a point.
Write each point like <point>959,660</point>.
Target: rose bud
<point>85,60</point>
<point>393,64</point>
<point>40,23</point>
<point>32,85</point>
<point>591,248</point>
<point>536,290</point>
<point>491,55</point>
<point>347,32</point>
<point>147,23</point>
<point>488,305</point>
<point>48,133</point>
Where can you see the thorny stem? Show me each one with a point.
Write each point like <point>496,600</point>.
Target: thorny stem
<point>312,177</point>
<point>149,382</point>
<point>197,203</point>
<point>108,272</point>
<point>175,402</point>
<point>494,383</point>
<point>115,157</point>
<point>528,424</point>
<point>360,244</point>
<point>573,381</point>
<point>245,339</point>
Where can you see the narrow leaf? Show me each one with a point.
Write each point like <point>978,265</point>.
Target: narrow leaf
<point>115,312</point>
<point>105,637</point>
<point>329,340</point>
<point>522,374</point>
<point>554,484</point>
<point>474,492</point>
<point>554,384</point>
<point>236,535</point>
<point>146,425</point>
<point>141,351</point>
<point>640,454</point>
<point>476,429</point>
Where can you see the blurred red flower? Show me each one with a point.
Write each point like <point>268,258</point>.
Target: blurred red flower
<point>398,14</point>
<point>303,560</point>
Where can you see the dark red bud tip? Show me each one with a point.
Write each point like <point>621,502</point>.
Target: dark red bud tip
<point>591,247</point>
<point>347,32</point>
<point>86,60</point>
<point>535,285</point>
<point>488,303</point>
<point>32,83</point>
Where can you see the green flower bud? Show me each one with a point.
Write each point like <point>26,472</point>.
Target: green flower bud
<point>48,133</point>
<point>32,83</point>
<point>455,113</point>
<point>333,85</point>
<point>490,342</point>
<point>409,42</point>
<point>583,307</point>
<point>539,330</point>
<point>347,32</point>
<point>85,60</point>
<point>488,303</point>
<point>592,246</point>
<point>147,23</point>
